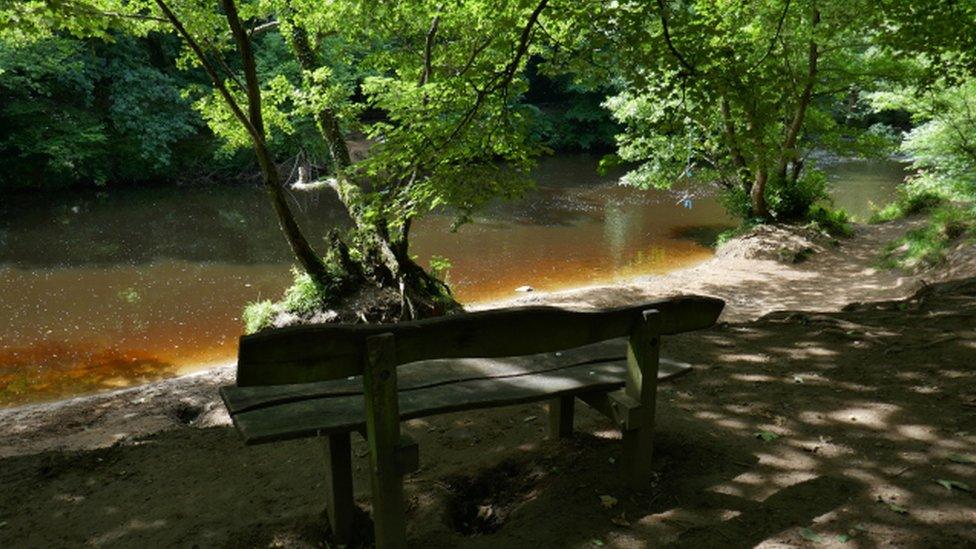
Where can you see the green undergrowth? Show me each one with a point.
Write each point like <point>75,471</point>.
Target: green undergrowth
<point>910,201</point>
<point>927,246</point>
<point>303,298</point>
<point>834,222</point>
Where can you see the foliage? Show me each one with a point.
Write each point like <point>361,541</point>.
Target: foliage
<point>570,116</point>
<point>738,93</point>
<point>77,112</point>
<point>258,316</point>
<point>440,266</point>
<point>305,297</point>
<point>927,246</point>
<point>910,201</point>
<point>835,222</point>
<point>941,145</point>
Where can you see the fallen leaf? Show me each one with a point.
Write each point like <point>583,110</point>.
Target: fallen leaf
<point>950,484</point>
<point>530,418</point>
<point>959,458</point>
<point>608,501</point>
<point>843,538</point>
<point>897,508</point>
<point>597,542</point>
<point>810,535</point>
<point>612,460</point>
<point>767,436</point>
<point>621,521</point>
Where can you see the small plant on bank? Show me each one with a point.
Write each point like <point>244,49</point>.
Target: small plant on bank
<point>304,298</point>
<point>835,222</point>
<point>440,267</point>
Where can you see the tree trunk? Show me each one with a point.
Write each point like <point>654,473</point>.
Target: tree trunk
<point>384,260</point>
<point>325,118</point>
<point>757,194</point>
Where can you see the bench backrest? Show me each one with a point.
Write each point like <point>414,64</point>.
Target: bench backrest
<point>323,352</point>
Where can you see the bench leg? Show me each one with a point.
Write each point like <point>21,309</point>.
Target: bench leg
<point>338,487</point>
<point>561,417</point>
<point>383,435</point>
<point>643,353</point>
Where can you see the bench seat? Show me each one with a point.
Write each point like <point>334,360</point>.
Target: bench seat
<point>426,388</point>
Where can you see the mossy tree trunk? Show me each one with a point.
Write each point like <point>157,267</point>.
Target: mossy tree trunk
<point>385,258</point>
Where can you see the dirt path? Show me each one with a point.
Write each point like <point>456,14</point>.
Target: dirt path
<point>865,411</point>
<point>753,284</point>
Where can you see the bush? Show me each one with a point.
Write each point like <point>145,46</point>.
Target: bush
<point>258,316</point>
<point>835,222</point>
<point>910,201</point>
<point>793,201</point>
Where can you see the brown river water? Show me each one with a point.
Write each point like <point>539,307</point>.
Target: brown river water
<point>112,289</point>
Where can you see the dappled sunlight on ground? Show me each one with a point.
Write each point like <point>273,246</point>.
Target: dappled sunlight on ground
<point>850,429</point>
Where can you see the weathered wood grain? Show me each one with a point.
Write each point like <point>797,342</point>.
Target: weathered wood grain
<point>643,352</point>
<point>339,503</point>
<point>336,414</point>
<point>305,354</point>
<point>383,435</point>
<point>427,373</point>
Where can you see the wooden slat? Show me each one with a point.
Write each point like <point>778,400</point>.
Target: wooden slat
<point>322,416</point>
<point>304,354</point>
<point>425,373</point>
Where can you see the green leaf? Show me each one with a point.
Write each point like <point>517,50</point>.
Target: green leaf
<point>960,458</point>
<point>897,508</point>
<point>950,484</point>
<point>843,538</point>
<point>810,535</point>
<point>766,436</point>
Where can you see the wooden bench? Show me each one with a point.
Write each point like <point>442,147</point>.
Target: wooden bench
<point>330,380</point>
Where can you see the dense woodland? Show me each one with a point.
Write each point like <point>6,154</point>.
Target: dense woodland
<point>414,106</point>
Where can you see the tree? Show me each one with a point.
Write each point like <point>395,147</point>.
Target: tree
<point>738,93</point>
<point>442,84</point>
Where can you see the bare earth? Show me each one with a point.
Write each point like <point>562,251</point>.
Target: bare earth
<point>850,424</point>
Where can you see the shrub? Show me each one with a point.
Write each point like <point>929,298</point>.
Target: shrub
<point>910,201</point>
<point>835,222</point>
<point>792,201</point>
<point>258,316</point>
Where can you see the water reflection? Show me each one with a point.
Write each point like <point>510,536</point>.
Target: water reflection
<point>110,289</point>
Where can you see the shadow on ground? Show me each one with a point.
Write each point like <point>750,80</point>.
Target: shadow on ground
<point>796,429</point>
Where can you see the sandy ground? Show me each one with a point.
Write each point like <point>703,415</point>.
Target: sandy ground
<point>865,409</point>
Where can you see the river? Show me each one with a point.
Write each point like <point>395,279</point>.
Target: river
<point>110,289</point>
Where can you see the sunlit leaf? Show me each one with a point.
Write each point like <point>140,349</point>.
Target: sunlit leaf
<point>810,535</point>
<point>950,484</point>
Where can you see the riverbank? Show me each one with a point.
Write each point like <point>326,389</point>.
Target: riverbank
<point>752,273</point>
<point>851,446</point>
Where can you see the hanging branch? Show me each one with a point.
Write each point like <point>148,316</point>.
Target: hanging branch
<point>209,68</point>
<point>667,40</point>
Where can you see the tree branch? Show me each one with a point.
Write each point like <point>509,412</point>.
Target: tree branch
<point>667,40</point>
<point>209,68</point>
<point>428,48</point>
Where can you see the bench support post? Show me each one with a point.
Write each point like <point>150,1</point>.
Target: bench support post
<point>643,352</point>
<point>340,506</point>
<point>383,435</point>
<point>561,416</point>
